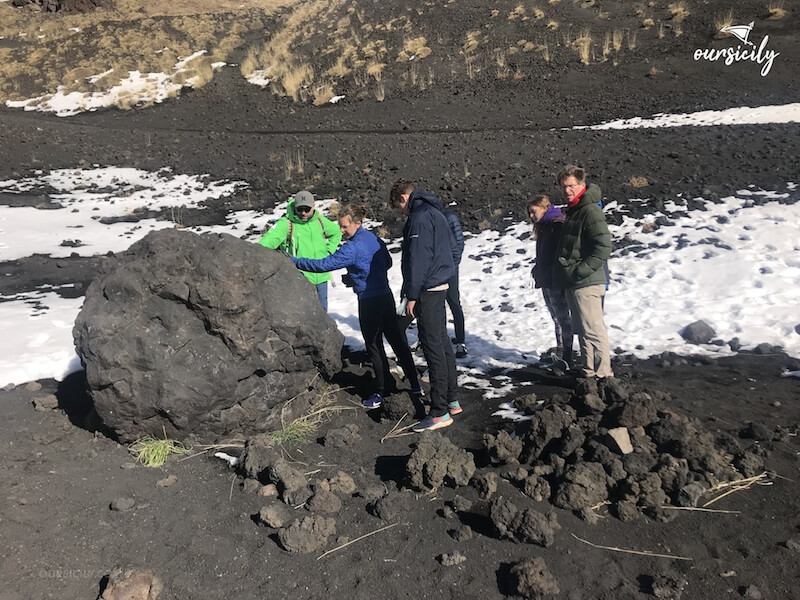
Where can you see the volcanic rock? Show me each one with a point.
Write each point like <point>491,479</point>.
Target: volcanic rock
<point>532,579</point>
<point>132,584</point>
<point>307,534</point>
<point>698,332</point>
<point>436,461</point>
<point>202,336</point>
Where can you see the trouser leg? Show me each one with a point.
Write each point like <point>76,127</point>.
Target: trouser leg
<point>437,349</point>
<point>322,294</point>
<point>586,305</point>
<point>396,336</point>
<point>548,295</point>
<point>454,302</point>
<point>370,321</point>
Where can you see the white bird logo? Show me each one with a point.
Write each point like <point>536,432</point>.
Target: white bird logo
<point>740,31</point>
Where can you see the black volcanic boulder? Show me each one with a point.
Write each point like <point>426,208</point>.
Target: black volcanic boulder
<point>204,336</point>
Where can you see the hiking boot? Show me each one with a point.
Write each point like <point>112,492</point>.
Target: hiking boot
<point>454,408</point>
<point>461,351</point>
<point>373,401</point>
<point>430,423</point>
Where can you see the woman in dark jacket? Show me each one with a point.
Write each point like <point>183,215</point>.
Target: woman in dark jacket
<point>547,223</point>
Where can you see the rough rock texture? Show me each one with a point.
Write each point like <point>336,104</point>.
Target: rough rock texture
<point>132,584</point>
<point>698,332</point>
<point>342,436</point>
<point>307,534</point>
<point>392,506</point>
<point>528,526</point>
<point>436,461</point>
<point>203,335</point>
<point>71,6</point>
<point>292,484</point>
<point>275,515</point>
<point>583,485</point>
<point>502,448</point>
<point>532,579</point>
<point>324,502</point>
<point>257,457</point>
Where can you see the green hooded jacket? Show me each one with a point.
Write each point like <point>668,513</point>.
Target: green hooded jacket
<point>316,238</point>
<point>584,245</point>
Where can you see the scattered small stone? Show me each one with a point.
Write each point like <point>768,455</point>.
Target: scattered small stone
<point>776,404</point>
<point>532,579</point>
<point>690,494</point>
<point>667,587</point>
<point>751,592</point>
<point>122,504</point>
<point>448,513</point>
<point>275,515</point>
<point>324,502</point>
<point>392,506</point>
<point>451,560</point>
<point>167,481</point>
<point>461,504</point>
<point>45,403</point>
<point>622,438</point>
<point>251,486</point>
<point>589,515</point>
<point>341,437</point>
<point>485,484</point>
<point>128,465</point>
<point>307,534</point>
<point>461,534</point>
<point>268,491</point>
<point>342,483</point>
<point>130,584</point>
<point>793,544</point>
<point>33,386</point>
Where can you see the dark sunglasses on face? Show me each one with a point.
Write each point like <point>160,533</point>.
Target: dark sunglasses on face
<point>303,209</point>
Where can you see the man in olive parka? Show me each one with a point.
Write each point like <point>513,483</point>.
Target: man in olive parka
<point>583,248</point>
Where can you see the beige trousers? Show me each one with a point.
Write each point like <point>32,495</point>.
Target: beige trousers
<point>586,306</point>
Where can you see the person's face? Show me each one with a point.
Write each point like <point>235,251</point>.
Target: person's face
<point>304,212</point>
<point>571,188</point>
<point>402,204</point>
<point>536,213</point>
<point>348,227</point>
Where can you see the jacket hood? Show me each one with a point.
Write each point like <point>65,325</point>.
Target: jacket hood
<point>553,213</point>
<point>293,216</point>
<point>592,195</point>
<point>418,197</point>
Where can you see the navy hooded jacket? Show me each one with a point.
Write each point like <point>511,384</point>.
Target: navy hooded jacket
<point>428,246</point>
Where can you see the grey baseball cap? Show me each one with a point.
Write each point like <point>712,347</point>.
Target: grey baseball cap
<point>304,198</point>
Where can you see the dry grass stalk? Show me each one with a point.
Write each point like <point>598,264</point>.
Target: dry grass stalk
<point>648,23</point>
<point>398,431</point>
<point>552,25</point>
<point>699,509</point>
<point>679,11</point>
<point>631,40</point>
<point>616,39</point>
<point>517,13</point>
<point>639,552</point>
<point>358,539</point>
<point>736,486</point>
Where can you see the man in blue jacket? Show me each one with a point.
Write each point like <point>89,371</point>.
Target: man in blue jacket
<point>367,261</point>
<point>427,267</point>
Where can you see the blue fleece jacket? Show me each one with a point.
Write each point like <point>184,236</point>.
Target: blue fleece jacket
<point>366,259</point>
<point>428,246</point>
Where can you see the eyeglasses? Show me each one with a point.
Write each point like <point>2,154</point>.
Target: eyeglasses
<point>304,209</point>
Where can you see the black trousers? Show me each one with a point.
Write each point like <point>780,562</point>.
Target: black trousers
<point>454,302</point>
<point>438,350</point>
<point>377,318</point>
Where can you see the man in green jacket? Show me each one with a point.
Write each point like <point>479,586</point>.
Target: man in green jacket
<point>581,254</point>
<point>305,233</point>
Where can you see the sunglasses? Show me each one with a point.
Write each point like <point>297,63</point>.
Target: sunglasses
<point>303,209</point>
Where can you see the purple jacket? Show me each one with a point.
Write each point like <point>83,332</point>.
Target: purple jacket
<point>549,230</point>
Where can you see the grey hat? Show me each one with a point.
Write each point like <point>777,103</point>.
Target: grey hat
<point>304,198</point>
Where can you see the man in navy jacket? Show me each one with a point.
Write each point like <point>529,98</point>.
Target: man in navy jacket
<point>428,266</point>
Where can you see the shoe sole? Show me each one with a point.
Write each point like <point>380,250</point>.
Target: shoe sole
<point>439,425</point>
<point>455,411</point>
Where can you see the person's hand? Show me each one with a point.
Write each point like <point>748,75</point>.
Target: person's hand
<point>410,308</point>
<point>347,280</point>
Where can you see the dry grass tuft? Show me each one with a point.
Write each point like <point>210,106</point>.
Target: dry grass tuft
<point>517,13</point>
<point>582,45</point>
<point>679,11</point>
<point>552,25</point>
<point>776,11</point>
<point>323,93</point>
<point>631,43</point>
<point>472,42</point>
<point>721,21</point>
<point>648,23</point>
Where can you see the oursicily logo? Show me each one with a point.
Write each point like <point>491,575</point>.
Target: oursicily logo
<point>743,52</point>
